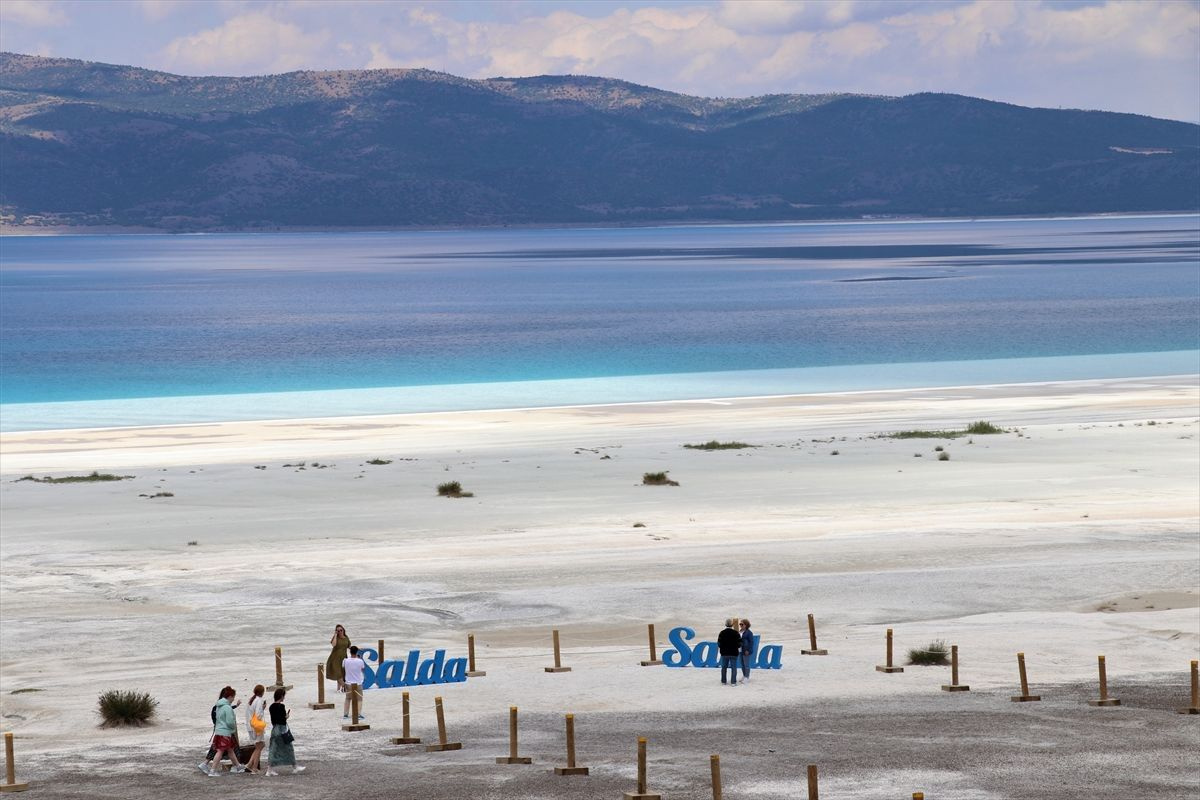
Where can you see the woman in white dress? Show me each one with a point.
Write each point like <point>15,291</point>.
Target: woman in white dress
<point>256,709</point>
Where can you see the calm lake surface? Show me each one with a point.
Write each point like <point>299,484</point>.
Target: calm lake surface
<point>89,320</point>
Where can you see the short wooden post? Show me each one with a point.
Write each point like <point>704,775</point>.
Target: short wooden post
<point>642,792</point>
<point>654,659</point>
<point>813,650</point>
<point>889,667</point>
<point>918,796</point>
<point>405,736</point>
<point>714,763</point>
<point>471,671</point>
<point>320,705</point>
<point>278,671</point>
<point>570,768</point>
<point>558,667</point>
<point>954,685</point>
<point>442,743</point>
<point>512,757</point>
<point>1104,700</point>
<point>1194,708</point>
<point>1025,696</point>
<point>380,651</point>
<point>10,769</point>
<point>812,782</point>
<point>355,693</point>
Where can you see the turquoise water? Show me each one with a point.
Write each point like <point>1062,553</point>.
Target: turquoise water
<point>98,330</point>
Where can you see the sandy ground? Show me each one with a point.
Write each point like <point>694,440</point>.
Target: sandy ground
<point>1076,533</point>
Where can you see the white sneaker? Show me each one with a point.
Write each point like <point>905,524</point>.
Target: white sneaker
<point>238,770</point>
<point>203,767</point>
<point>213,773</point>
<point>270,774</point>
<point>298,769</point>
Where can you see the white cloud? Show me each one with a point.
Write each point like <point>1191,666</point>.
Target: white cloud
<point>254,41</point>
<point>157,10</point>
<point>34,13</point>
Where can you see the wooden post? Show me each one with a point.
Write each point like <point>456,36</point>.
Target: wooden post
<point>278,671</point>
<point>512,757</point>
<point>380,651</point>
<point>812,640</point>
<point>714,763</point>
<point>10,769</point>
<point>405,736</point>
<point>918,796</point>
<point>355,693</point>
<point>889,667</point>
<point>642,792</point>
<point>471,671</point>
<point>1104,700</point>
<point>558,667</point>
<point>442,744</point>
<point>812,782</point>
<point>654,659</point>
<point>1194,708</point>
<point>1025,696</point>
<point>570,768</point>
<point>954,685</point>
<point>320,705</point>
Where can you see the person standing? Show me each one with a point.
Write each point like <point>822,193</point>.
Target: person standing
<point>282,753</point>
<point>353,669</point>
<point>224,733</point>
<point>340,643</point>
<point>730,645</point>
<point>747,655</point>
<point>256,727</point>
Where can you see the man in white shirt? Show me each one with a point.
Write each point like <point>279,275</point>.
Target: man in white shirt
<point>353,667</point>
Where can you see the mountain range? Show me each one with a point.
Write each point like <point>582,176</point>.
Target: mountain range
<point>84,143</point>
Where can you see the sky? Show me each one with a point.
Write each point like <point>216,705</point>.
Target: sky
<point>1140,56</point>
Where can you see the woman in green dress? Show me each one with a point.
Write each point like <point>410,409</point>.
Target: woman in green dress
<point>281,753</point>
<point>333,665</point>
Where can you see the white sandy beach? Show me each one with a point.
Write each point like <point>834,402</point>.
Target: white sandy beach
<point>1074,534</point>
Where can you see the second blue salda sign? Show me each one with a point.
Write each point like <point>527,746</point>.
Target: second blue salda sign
<point>708,655</point>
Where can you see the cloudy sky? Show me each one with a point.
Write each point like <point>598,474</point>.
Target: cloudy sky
<point>1141,56</point>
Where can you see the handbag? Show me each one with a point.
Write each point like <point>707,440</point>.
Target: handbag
<point>287,736</point>
<point>257,724</point>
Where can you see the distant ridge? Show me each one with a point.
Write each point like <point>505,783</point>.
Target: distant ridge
<point>83,143</point>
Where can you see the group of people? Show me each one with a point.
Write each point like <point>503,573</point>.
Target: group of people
<point>737,650</point>
<point>259,717</point>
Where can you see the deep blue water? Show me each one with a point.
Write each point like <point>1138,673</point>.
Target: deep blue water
<point>107,317</point>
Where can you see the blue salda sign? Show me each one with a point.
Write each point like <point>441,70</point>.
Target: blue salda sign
<point>411,671</point>
<point>707,654</point>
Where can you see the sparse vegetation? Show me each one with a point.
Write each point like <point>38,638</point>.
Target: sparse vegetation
<point>157,494</point>
<point>94,477</point>
<point>452,489</point>
<point>657,479</point>
<point>193,543</point>
<point>938,449</point>
<point>935,653</point>
<point>835,452</point>
<point>118,708</point>
<point>25,691</point>
<point>980,428</point>
<point>639,524</point>
<point>715,445</point>
<point>943,456</point>
<point>379,462</point>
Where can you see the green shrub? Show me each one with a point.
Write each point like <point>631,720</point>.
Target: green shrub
<point>94,477</point>
<point>379,461</point>
<point>119,708</point>
<point>935,653</point>
<point>943,456</point>
<point>715,445</point>
<point>657,479</point>
<point>452,489</point>
<point>982,426</point>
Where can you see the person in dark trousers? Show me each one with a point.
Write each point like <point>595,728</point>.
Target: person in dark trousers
<point>747,648</point>
<point>730,645</point>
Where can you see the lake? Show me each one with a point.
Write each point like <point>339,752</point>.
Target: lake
<point>107,329</point>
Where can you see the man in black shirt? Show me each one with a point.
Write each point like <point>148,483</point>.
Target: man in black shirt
<point>729,642</point>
